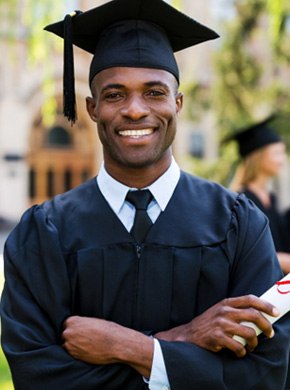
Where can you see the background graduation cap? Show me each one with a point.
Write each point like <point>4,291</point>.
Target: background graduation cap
<point>133,33</point>
<point>255,136</point>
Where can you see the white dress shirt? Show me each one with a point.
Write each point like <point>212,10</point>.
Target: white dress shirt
<point>162,190</point>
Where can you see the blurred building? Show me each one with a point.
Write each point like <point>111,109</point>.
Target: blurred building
<point>39,160</point>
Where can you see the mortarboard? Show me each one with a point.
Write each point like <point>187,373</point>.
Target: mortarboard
<point>131,33</point>
<point>255,136</point>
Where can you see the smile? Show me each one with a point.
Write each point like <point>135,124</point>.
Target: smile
<point>135,133</point>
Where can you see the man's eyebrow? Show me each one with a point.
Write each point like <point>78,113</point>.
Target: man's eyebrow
<point>153,83</point>
<point>156,84</point>
<point>113,86</point>
<point>148,84</point>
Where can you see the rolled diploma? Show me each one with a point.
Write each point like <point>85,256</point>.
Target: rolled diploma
<point>279,296</point>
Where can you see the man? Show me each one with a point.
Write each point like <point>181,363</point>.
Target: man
<point>89,303</point>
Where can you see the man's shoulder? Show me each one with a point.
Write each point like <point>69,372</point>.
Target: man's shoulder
<point>206,189</point>
<point>72,200</point>
<point>216,199</point>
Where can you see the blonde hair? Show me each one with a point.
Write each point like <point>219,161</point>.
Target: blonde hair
<point>247,170</point>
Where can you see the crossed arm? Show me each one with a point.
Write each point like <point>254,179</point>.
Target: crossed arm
<point>99,341</point>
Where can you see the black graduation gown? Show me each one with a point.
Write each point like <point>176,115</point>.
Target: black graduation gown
<point>277,220</point>
<point>72,256</point>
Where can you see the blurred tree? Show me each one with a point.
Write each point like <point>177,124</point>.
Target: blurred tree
<point>25,19</point>
<point>238,68</point>
<point>252,73</point>
<point>22,21</point>
<point>251,62</point>
<point>279,11</point>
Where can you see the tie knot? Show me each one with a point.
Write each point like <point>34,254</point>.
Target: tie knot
<point>140,199</point>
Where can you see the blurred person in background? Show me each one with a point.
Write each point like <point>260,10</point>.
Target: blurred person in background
<point>263,155</point>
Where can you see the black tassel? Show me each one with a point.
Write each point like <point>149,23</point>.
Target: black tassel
<point>69,96</point>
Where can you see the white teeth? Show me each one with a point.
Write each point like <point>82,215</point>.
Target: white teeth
<point>135,133</point>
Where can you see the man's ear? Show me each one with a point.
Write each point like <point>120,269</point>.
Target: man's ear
<point>179,102</point>
<point>91,107</point>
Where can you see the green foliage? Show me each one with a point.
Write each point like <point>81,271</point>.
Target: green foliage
<point>25,20</point>
<point>5,377</point>
<point>242,88</point>
<point>279,11</point>
<point>282,124</point>
<point>177,4</point>
<point>41,45</point>
<point>35,17</point>
<point>238,69</point>
<point>220,171</point>
<point>198,100</point>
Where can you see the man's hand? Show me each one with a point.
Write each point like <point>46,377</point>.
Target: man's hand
<point>214,329</point>
<point>97,341</point>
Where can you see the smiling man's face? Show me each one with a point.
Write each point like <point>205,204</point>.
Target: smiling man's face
<point>135,110</point>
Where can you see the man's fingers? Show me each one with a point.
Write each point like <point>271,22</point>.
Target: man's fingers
<point>251,301</point>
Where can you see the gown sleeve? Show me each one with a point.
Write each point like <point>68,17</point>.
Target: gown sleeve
<point>250,248</point>
<point>34,303</point>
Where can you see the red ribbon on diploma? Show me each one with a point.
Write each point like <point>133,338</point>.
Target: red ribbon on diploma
<point>283,283</point>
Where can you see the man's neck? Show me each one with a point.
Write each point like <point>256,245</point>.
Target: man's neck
<point>139,177</point>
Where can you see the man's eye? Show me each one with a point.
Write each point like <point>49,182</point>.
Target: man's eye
<point>156,92</point>
<point>113,95</point>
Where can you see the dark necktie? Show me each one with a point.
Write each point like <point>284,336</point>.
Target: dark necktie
<point>142,222</point>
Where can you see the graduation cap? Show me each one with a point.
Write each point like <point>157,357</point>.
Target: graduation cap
<point>255,136</point>
<point>130,33</point>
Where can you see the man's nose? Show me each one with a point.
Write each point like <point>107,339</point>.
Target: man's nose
<point>135,108</point>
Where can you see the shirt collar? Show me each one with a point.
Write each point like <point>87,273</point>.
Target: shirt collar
<point>162,189</point>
